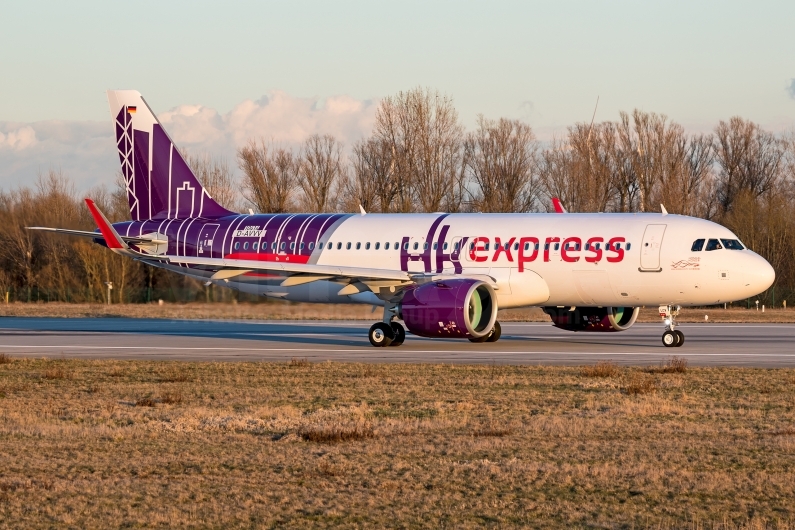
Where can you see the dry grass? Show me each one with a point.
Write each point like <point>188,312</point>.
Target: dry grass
<point>353,445</point>
<point>282,310</point>
<point>674,365</point>
<point>5,358</point>
<point>299,363</point>
<point>54,373</point>
<point>600,369</point>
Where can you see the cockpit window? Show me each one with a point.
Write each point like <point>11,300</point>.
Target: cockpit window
<point>732,244</point>
<point>698,245</point>
<point>713,244</point>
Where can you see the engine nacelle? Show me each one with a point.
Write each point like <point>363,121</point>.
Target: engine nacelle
<point>593,318</point>
<point>462,308</point>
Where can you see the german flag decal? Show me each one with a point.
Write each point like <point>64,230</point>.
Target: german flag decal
<point>131,110</point>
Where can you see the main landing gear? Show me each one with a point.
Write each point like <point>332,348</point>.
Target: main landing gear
<point>672,338</point>
<point>382,334</point>
<point>494,336</point>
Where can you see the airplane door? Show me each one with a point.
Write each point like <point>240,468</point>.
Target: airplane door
<point>204,247</point>
<point>650,248</point>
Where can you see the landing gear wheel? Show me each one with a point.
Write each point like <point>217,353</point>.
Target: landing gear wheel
<point>484,338</point>
<point>669,339</point>
<point>495,334</point>
<point>400,334</point>
<point>381,335</point>
<point>680,338</point>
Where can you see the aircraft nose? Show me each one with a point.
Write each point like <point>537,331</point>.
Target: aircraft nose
<point>760,274</point>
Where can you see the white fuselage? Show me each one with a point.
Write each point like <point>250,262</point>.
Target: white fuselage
<point>652,264</point>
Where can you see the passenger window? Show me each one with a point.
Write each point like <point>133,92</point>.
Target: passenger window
<point>536,246</point>
<point>435,246</point>
<point>302,246</point>
<point>367,246</point>
<point>445,246</point>
<point>386,246</point>
<point>607,247</point>
<point>698,245</point>
<point>516,246</point>
<point>425,246</point>
<point>457,245</point>
<point>406,246</point>
<point>397,245</point>
<point>713,244</point>
<point>629,245</point>
<point>471,246</point>
<point>273,245</point>
<point>546,246</point>
<point>597,246</point>
<point>311,245</point>
<point>348,245</point>
<point>732,244</point>
<point>377,245</point>
<point>416,245</point>
<point>527,246</point>
<point>618,246</point>
<point>557,246</point>
<point>358,246</point>
<point>237,245</point>
<point>339,245</point>
<point>245,245</point>
<point>292,245</point>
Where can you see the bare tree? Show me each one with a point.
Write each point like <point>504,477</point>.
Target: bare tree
<point>749,159</point>
<point>217,178</point>
<point>270,176</point>
<point>421,129</point>
<point>320,170</point>
<point>501,161</point>
<point>373,183</point>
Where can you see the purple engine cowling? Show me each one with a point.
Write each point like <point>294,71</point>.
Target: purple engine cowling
<point>461,308</point>
<point>593,318</point>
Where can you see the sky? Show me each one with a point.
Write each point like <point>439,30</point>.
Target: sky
<point>220,73</point>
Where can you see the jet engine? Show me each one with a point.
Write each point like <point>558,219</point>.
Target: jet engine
<point>460,308</point>
<point>593,318</point>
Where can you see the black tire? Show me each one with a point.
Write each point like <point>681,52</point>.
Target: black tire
<point>496,333</point>
<point>381,335</point>
<point>484,338</point>
<point>400,334</point>
<point>669,339</point>
<point>681,338</point>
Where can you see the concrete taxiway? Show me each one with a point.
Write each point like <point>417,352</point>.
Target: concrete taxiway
<point>760,345</point>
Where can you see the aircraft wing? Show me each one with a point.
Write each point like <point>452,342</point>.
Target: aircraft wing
<point>299,273</point>
<point>97,235</point>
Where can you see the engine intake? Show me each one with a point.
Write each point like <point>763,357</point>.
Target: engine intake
<point>462,308</point>
<point>593,318</point>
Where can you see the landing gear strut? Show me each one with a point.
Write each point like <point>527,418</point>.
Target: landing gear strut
<point>672,337</point>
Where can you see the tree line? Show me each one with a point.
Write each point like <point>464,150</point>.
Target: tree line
<point>420,158</point>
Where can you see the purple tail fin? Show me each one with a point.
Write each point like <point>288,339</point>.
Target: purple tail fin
<point>160,185</point>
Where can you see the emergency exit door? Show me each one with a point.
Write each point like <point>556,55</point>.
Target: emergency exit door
<point>650,248</point>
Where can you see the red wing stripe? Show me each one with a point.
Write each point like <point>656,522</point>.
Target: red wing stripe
<point>107,231</point>
<point>275,258</point>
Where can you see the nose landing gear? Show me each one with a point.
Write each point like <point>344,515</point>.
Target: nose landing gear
<point>671,338</point>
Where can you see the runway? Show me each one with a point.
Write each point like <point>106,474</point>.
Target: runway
<point>760,345</point>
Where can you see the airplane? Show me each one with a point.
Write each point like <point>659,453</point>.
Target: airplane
<point>443,275</point>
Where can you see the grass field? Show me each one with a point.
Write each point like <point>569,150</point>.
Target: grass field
<point>280,310</point>
<point>112,443</point>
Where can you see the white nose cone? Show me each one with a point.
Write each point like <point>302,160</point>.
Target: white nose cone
<point>760,274</point>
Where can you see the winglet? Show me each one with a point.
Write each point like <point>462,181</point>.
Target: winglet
<point>361,209</point>
<point>112,238</point>
<point>558,205</point>
<point>664,211</point>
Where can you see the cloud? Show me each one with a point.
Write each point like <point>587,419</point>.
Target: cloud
<point>791,88</point>
<point>85,151</point>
